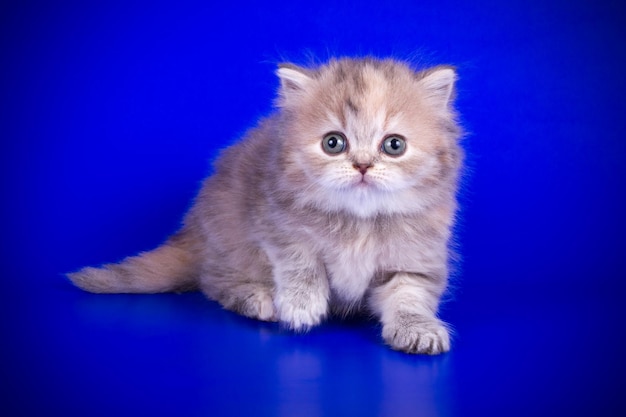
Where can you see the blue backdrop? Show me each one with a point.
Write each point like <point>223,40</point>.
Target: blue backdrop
<point>111,111</point>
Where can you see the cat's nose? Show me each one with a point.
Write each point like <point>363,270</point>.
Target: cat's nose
<point>362,168</point>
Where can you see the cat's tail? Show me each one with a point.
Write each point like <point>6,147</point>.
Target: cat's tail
<point>170,267</point>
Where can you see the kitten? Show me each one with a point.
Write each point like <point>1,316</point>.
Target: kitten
<point>343,199</point>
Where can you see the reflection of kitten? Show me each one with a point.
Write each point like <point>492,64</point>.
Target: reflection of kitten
<point>344,199</point>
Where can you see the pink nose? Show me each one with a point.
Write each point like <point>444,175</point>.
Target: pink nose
<point>362,168</point>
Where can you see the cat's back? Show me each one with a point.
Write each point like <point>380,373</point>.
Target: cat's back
<point>249,157</point>
<point>236,191</point>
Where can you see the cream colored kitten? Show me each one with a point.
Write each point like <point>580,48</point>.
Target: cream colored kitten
<point>343,199</point>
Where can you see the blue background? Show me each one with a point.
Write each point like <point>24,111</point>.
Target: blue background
<point>111,111</point>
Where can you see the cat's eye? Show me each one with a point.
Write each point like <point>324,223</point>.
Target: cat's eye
<point>334,143</point>
<point>394,145</point>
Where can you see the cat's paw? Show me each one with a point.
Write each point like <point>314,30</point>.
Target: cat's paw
<point>417,334</point>
<point>259,306</point>
<point>302,313</point>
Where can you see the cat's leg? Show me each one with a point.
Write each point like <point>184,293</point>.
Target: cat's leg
<point>252,300</point>
<point>241,281</point>
<point>249,298</point>
<point>301,287</point>
<point>407,306</point>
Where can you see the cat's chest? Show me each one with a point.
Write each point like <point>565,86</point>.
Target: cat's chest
<point>353,255</point>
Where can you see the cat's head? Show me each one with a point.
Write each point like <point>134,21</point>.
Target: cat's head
<point>368,136</point>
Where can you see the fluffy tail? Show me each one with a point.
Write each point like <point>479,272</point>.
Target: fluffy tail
<point>170,267</point>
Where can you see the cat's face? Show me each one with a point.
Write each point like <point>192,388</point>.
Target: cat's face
<point>369,137</point>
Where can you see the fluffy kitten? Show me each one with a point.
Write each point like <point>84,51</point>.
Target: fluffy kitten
<point>343,199</point>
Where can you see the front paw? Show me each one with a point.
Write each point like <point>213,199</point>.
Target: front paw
<point>417,334</point>
<point>300,313</point>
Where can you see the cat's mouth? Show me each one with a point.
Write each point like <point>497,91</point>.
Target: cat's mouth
<point>360,183</point>
<point>364,181</point>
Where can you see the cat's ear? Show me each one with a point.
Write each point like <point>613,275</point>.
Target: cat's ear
<point>294,81</point>
<point>438,85</point>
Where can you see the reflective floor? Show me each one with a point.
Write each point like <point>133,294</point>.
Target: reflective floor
<point>515,352</point>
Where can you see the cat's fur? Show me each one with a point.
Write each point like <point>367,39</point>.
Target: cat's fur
<point>283,231</point>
